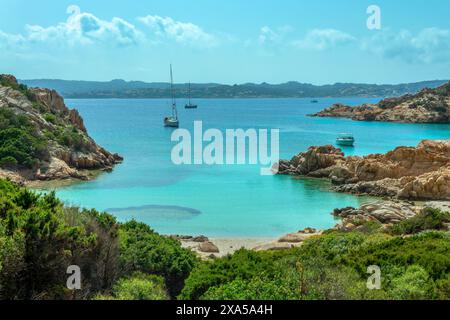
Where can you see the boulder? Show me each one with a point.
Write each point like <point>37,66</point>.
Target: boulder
<point>299,236</point>
<point>384,212</point>
<point>208,247</point>
<point>200,239</point>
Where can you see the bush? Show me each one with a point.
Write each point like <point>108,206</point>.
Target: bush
<point>428,219</point>
<point>143,250</point>
<point>243,264</point>
<point>20,144</point>
<point>443,288</point>
<point>50,118</point>
<point>254,289</point>
<point>70,137</point>
<point>137,287</point>
<point>428,250</point>
<point>8,161</point>
<point>414,284</point>
<point>39,240</point>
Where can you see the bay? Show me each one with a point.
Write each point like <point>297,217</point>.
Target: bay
<point>223,201</point>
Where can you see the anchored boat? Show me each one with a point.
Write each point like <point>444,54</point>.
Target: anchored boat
<point>190,105</point>
<point>345,139</point>
<point>172,121</point>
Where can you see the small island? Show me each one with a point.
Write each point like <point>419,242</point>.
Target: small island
<point>427,106</point>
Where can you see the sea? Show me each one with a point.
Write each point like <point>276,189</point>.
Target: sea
<point>224,200</point>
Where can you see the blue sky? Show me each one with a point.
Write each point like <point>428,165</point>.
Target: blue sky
<point>233,41</point>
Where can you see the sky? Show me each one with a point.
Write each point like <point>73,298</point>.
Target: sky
<point>233,41</point>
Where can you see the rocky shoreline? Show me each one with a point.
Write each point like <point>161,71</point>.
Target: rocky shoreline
<point>427,106</point>
<point>69,152</point>
<point>410,173</point>
<point>383,212</point>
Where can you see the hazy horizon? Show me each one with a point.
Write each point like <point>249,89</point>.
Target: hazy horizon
<point>232,83</point>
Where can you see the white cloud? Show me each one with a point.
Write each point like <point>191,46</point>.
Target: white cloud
<point>268,35</point>
<point>86,28</point>
<point>323,39</point>
<point>11,40</point>
<point>428,46</point>
<point>181,32</point>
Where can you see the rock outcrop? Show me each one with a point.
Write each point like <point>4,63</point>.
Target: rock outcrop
<point>427,106</point>
<point>384,212</point>
<point>68,150</point>
<point>417,173</point>
<point>290,240</point>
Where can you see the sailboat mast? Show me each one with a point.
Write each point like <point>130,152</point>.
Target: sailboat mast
<point>189,93</point>
<point>174,110</point>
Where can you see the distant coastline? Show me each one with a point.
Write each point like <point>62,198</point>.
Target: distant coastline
<point>120,89</point>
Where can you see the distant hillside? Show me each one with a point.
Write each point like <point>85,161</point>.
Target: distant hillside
<point>139,89</point>
<point>426,106</point>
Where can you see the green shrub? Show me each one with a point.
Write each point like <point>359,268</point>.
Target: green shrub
<point>254,289</point>
<point>38,241</point>
<point>414,284</point>
<point>443,288</point>
<point>19,141</point>
<point>138,287</point>
<point>49,117</point>
<point>428,219</point>
<point>142,249</point>
<point>333,246</point>
<point>243,264</point>
<point>428,250</point>
<point>8,161</point>
<point>71,138</point>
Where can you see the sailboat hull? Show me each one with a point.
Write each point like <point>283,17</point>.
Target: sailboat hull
<point>171,122</point>
<point>190,106</point>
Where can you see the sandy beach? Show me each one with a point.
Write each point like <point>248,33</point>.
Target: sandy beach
<point>228,245</point>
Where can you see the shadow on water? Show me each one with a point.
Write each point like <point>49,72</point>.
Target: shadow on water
<point>159,212</point>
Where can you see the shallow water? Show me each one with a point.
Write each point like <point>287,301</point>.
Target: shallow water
<point>223,200</point>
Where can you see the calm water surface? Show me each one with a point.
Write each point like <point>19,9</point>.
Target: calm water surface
<point>223,200</point>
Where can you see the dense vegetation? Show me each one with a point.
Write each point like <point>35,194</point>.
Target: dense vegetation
<point>40,238</point>
<point>430,99</point>
<point>20,144</point>
<point>332,266</point>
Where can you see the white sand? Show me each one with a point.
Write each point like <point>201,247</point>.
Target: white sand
<point>229,245</point>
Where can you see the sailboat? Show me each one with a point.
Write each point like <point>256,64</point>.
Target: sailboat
<point>190,105</point>
<point>172,121</point>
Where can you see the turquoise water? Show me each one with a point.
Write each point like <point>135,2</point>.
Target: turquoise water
<point>223,200</point>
